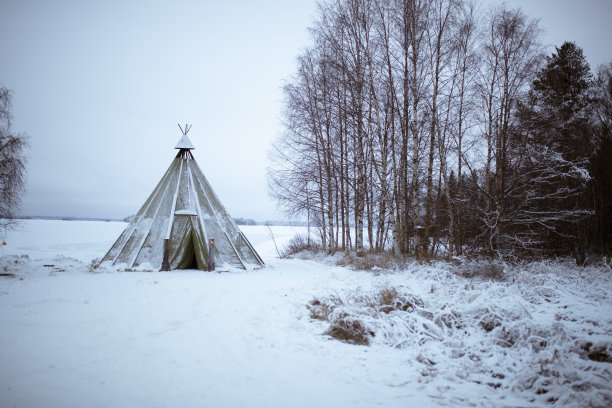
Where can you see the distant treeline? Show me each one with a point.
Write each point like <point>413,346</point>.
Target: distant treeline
<point>249,221</point>
<point>245,221</point>
<point>67,218</point>
<point>239,220</point>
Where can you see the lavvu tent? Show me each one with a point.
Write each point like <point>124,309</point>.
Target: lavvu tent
<point>175,226</point>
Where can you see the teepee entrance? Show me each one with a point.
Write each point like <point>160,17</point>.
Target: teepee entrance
<point>186,246</point>
<point>180,217</point>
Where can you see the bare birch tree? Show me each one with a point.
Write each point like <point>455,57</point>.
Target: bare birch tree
<point>12,163</point>
<point>511,56</point>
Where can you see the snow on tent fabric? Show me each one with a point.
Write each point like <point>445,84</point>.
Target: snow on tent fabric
<point>175,224</point>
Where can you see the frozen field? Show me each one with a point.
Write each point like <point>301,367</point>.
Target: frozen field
<point>76,337</point>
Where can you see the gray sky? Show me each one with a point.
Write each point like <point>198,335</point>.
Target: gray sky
<point>99,87</point>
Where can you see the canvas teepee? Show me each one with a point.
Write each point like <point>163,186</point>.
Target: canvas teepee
<point>175,225</point>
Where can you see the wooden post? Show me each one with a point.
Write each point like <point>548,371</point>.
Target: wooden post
<point>211,255</point>
<point>165,262</point>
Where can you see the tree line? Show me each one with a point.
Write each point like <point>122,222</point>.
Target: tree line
<point>442,130</point>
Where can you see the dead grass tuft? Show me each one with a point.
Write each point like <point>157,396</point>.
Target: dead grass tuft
<point>356,317</point>
<point>600,353</point>
<point>350,330</point>
<point>13,266</point>
<point>389,300</point>
<point>322,309</point>
<point>484,270</point>
<point>94,265</point>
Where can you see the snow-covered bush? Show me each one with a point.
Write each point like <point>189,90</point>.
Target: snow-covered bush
<point>535,334</point>
<point>484,269</point>
<point>11,266</point>
<point>369,261</point>
<point>299,243</point>
<point>349,329</point>
<point>321,309</point>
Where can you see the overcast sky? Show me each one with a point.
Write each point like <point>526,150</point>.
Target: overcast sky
<point>99,87</point>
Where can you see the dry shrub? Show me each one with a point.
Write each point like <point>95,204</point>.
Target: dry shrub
<point>12,266</point>
<point>368,261</point>
<point>350,330</point>
<point>300,243</point>
<point>94,265</point>
<point>508,337</point>
<point>601,352</point>
<point>322,309</point>
<point>387,296</point>
<point>389,300</point>
<point>489,322</point>
<point>485,270</point>
<point>449,319</point>
<point>358,316</point>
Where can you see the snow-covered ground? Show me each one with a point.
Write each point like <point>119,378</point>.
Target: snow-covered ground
<point>439,335</point>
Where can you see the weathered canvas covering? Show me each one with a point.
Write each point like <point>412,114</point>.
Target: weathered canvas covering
<point>184,210</point>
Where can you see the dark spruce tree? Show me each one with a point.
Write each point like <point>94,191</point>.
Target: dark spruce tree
<point>601,166</point>
<point>561,93</point>
<point>557,145</point>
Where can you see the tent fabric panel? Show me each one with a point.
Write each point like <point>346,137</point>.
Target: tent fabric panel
<point>124,248</point>
<point>152,250</point>
<point>148,248</point>
<point>187,242</point>
<point>168,179</point>
<point>185,201</point>
<point>132,247</point>
<point>180,247</point>
<point>200,247</point>
<point>246,251</point>
<point>223,221</point>
<point>225,252</point>
<point>209,198</point>
<point>114,252</point>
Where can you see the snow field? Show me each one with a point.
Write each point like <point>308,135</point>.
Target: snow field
<point>75,336</point>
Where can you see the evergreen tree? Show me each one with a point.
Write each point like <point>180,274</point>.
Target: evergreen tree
<point>601,165</point>
<point>556,143</point>
<point>561,95</point>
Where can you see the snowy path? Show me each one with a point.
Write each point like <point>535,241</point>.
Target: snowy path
<point>182,339</point>
<point>71,338</point>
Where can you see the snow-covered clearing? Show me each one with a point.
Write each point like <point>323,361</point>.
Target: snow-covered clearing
<point>73,336</point>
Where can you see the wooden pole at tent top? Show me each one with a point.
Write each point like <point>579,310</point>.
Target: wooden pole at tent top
<point>186,129</point>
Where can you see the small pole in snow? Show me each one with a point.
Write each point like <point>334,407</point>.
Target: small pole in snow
<point>211,255</point>
<point>165,262</point>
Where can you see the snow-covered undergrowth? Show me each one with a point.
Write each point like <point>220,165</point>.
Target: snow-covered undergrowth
<point>74,334</point>
<point>535,333</point>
